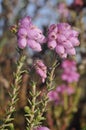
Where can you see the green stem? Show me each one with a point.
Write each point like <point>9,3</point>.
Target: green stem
<point>34,115</point>
<point>30,124</point>
<point>14,95</point>
<point>33,107</point>
<point>49,86</point>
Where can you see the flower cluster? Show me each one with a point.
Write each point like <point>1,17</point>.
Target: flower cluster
<point>30,35</point>
<point>70,73</point>
<point>41,128</point>
<point>41,69</point>
<point>63,39</point>
<point>57,94</point>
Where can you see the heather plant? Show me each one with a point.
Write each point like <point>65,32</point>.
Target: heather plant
<point>6,122</point>
<point>61,39</point>
<point>65,97</point>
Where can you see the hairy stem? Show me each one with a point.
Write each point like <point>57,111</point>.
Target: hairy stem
<point>49,86</point>
<point>33,107</point>
<point>30,121</point>
<point>14,95</point>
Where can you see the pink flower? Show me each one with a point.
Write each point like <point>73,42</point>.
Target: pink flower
<point>74,33</point>
<point>34,45</point>
<point>74,41</point>
<point>62,8</point>
<point>67,44</point>
<point>67,64</point>
<point>33,35</point>
<point>25,22</point>
<point>52,36</point>
<point>22,32</point>
<point>52,28</point>
<point>60,50</point>
<point>53,96</point>
<point>22,43</point>
<point>52,44</point>
<point>71,51</point>
<point>41,128</point>
<point>70,90</point>
<point>57,95</point>
<point>65,89</point>
<point>70,73</point>
<point>70,76</point>
<point>41,69</point>
<point>63,39</point>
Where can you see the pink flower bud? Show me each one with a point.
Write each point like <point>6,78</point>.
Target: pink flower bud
<point>25,22</point>
<point>53,96</point>
<point>52,36</point>
<point>70,73</point>
<point>41,69</point>
<point>53,27</point>
<point>34,45</point>
<point>22,42</point>
<point>22,32</point>
<point>36,34</point>
<point>60,49</point>
<point>52,44</point>
<point>61,38</point>
<point>75,41</point>
<point>67,44</point>
<point>71,51</point>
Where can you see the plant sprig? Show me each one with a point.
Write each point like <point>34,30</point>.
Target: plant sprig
<point>33,111</point>
<point>14,95</point>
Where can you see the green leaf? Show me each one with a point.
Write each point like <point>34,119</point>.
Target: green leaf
<point>11,126</point>
<point>27,109</point>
